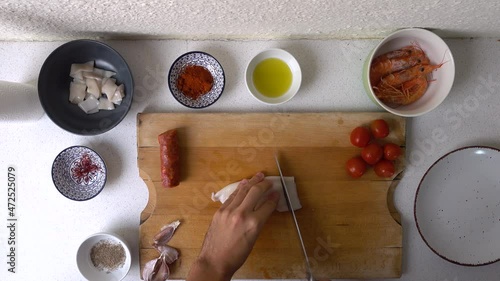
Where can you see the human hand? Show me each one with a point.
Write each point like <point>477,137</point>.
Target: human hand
<point>234,230</point>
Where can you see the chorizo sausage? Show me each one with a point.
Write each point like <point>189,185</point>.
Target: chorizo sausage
<point>169,158</point>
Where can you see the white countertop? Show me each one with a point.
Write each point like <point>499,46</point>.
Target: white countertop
<point>50,227</point>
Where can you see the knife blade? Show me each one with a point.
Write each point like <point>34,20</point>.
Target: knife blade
<point>309,275</point>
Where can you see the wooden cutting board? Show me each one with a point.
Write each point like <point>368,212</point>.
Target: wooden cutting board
<point>350,226</point>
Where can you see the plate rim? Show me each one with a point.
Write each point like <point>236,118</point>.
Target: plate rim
<point>416,198</point>
<point>196,52</point>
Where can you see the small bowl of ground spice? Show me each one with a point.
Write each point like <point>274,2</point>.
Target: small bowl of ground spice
<point>196,79</point>
<point>79,173</point>
<point>103,257</point>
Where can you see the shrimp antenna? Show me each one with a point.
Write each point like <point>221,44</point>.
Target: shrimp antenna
<point>444,55</point>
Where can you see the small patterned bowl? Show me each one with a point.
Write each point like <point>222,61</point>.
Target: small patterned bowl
<point>79,173</point>
<point>200,59</point>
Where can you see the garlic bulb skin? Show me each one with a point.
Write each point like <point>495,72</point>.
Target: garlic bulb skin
<point>223,194</point>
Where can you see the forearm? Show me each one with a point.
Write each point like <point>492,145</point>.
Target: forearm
<point>234,230</point>
<point>201,270</point>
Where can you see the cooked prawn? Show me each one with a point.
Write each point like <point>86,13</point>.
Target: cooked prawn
<point>395,61</point>
<point>405,51</point>
<point>409,92</point>
<point>398,78</point>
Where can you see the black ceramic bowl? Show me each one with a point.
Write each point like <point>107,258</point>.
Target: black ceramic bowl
<point>54,81</point>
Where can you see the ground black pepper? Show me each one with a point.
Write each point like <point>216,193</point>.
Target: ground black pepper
<point>107,255</point>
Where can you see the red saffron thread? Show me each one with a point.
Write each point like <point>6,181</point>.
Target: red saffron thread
<point>84,170</point>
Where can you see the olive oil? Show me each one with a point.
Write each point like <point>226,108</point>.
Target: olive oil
<point>272,77</point>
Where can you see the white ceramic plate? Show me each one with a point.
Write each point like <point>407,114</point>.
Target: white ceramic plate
<point>87,268</point>
<point>457,206</point>
<point>292,64</point>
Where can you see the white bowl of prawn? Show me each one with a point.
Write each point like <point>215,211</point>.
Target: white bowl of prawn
<point>440,80</point>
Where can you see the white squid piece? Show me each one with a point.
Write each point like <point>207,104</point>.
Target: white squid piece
<point>89,105</point>
<point>119,95</point>
<point>93,87</point>
<point>78,77</point>
<point>76,92</point>
<point>92,75</point>
<point>105,104</point>
<point>223,194</point>
<point>104,73</point>
<point>77,68</point>
<point>109,88</point>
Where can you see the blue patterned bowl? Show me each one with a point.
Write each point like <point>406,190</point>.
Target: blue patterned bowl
<point>79,173</point>
<point>200,59</point>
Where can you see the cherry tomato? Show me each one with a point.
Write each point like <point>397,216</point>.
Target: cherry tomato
<point>384,168</point>
<point>360,136</point>
<point>355,167</point>
<point>391,151</point>
<point>379,128</point>
<point>372,153</point>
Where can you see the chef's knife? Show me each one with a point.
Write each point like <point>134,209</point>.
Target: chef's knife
<point>309,275</point>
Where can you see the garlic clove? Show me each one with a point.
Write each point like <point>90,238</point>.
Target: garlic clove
<point>148,269</point>
<point>156,270</point>
<point>170,254</point>
<point>165,234</point>
<point>162,272</point>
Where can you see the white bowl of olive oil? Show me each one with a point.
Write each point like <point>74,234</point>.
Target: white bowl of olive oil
<point>273,76</point>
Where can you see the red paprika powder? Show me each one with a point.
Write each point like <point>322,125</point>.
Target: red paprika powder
<point>195,81</point>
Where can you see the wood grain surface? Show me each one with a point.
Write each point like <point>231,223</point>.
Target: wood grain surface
<point>350,226</point>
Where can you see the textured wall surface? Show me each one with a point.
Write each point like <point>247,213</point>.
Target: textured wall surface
<point>247,19</point>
